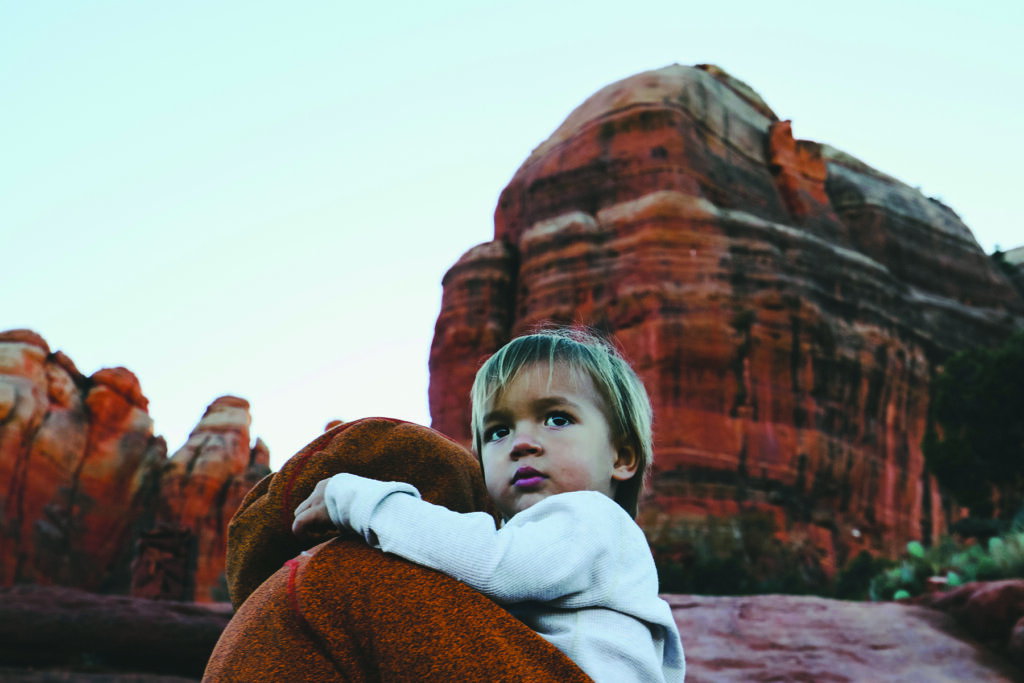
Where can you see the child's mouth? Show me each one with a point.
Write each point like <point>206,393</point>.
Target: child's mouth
<point>527,477</point>
<point>528,482</point>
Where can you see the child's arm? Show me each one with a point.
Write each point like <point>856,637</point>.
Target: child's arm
<point>555,550</point>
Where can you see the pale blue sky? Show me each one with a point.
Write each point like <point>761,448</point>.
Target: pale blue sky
<point>261,198</point>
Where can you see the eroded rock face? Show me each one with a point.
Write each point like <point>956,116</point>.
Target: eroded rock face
<point>89,498</point>
<point>201,486</point>
<point>78,463</point>
<point>476,314</point>
<point>785,304</point>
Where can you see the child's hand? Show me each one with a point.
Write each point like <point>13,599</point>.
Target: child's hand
<point>311,516</point>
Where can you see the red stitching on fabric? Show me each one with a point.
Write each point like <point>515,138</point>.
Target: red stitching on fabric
<point>293,598</point>
<point>288,510</point>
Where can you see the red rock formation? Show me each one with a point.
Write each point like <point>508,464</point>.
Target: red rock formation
<point>476,313</point>
<point>785,304</point>
<point>800,173</point>
<point>77,460</point>
<point>86,484</point>
<point>201,486</point>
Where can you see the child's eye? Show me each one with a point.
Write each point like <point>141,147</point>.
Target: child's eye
<point>495,433</point>
<point>558,420</point>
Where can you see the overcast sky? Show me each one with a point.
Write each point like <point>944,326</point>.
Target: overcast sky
<point>261,198</point>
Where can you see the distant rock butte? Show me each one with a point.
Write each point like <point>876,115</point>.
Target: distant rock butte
<point>78,460</point>
<point>201,486</point>
<point>87,486</point>
<point>785,304</point>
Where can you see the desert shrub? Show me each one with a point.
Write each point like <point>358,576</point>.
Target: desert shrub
<point>716,558</point>
<point>1001,558</point>
<point>906,579</point>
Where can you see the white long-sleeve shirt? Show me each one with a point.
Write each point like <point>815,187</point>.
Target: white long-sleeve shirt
<point>574,567</point>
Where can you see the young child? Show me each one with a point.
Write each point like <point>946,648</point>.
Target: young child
<point>562,427</point>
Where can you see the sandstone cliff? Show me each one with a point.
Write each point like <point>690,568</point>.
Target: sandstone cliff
<point>87,487</point>
<point>78,464</point>
<point>785,303</point>
<point>183,557</point>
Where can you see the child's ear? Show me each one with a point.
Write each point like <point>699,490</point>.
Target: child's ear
<point>626,463</point>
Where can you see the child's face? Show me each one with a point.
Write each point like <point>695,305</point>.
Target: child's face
<point>540,439</point>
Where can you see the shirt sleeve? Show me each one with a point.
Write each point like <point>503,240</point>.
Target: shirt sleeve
<point>561,550</point>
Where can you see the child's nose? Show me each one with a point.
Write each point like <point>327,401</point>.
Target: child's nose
<point>525,443</point>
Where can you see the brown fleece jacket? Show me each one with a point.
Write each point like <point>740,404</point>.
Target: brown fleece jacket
<point>343,611</point>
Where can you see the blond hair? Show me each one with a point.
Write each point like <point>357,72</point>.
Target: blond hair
<point>627,407</point>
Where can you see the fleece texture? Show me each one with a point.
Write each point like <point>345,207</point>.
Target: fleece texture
<point>343,611</point>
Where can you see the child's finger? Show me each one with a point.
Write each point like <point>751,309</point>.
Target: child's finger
<point>303,520</point>
<point>314,496</point>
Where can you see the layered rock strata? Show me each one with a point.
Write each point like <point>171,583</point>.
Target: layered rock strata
<point>785,304</point>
